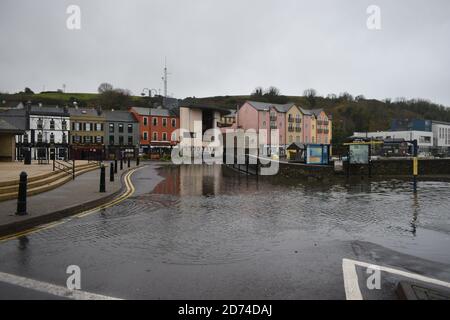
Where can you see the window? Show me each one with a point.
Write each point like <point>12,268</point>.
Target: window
<point>145,121</point>
<point>130,140</point>
<point>174,123</point>
<point>88,127</point>
<point>87,139</point>
<point>174,136</point>
<point>155,121</point>
<point>155,136</point>
<point>39,137</point>
<point>111,140</point>
<point>120,127</point>
<point>52,124</point>
<point>98,127</point>
<point>99,139</point>
<point>424,139</point>
<point>121,140</point>
<point>40,123</point>
<point>145,135</point>
<point>130,128</point>
<point>111,128</point>
<point>264,124</point>
<point>64,138</point>
<point>164,136</point>
<point>164,122</point>
<point>52,138</point>
<point>64,125</point>
<point>25,138</point>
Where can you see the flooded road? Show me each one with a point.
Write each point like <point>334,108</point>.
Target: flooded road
<point>207,232</point>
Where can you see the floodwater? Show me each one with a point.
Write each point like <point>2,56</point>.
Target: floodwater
<point>207,232</point>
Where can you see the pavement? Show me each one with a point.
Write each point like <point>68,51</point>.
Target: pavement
<point>74,196</point>
<point>11,170</point>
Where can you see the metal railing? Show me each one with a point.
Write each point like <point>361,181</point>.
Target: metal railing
<point>65,166</point>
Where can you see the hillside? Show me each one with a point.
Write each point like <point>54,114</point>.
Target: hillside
<point>349,114</point>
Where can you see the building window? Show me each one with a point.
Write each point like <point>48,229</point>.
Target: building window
<point>111,128</point>
<point>155,136</point>
<point>130,140</point>
<point>155,121</point>
<point>130,128</point>
<point>111,140</point>
<point>121,140</point>
<point>87,139</point>
<point>174,136</point>
<point>164,136</point>
<point>120,127</point>
<point>40,124</point>
<point>52,124</point>
<point>174,123</point>
<point>145,121</point>
<point>99,127</point>
<point>25,138</point>
<point>145,135</point>
<point>52,138</point>
<point>64,125</point>
<point>164,122</point>
<point>39,137</point>
<point>64,138</point>
<point>99,139</point>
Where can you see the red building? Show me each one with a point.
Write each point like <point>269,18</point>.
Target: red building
<point>156,129</point>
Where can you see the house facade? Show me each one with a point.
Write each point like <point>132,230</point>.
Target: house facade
<point>122,135</point>
<point>157,128</point>
<point>87,134</point>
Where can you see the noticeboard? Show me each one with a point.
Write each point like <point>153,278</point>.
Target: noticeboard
<point>359,154</point>
<point>317,154</point>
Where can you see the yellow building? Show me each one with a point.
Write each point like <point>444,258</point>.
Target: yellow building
<point>294,119</point>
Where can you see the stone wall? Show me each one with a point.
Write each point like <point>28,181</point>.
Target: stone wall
<point>402,167</point>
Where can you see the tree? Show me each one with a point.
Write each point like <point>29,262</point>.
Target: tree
<point>28,91</point>
<point>258,92</point>
<point>115,99</point>
<point>105,87</point>
<point>272,92</point>
<point>311,95</point>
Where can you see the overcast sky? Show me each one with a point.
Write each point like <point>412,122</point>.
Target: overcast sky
<point>229,47</point>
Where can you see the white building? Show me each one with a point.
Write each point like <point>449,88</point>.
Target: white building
<point>441,132</point>
<point>47,132</point>
<point>424,138</point>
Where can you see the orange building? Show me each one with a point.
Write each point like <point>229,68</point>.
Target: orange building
<point>157,128</point>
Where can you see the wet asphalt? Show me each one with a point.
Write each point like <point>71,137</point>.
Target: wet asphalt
<point>200,232</point>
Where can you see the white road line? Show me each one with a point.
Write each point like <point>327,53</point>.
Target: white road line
<point>51,288</point>
<point>352,290</point>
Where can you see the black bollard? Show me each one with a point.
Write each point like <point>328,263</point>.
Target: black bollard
<point>22,196</point>
<point>137,161</point>
<point>128,162</point>
<point>121,164</point>
<point>111,172</point>
<point>102,179</point>
<point>115,166</point>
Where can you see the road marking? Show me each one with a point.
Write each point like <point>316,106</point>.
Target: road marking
<point>351,285</point>
<point>130,190</point>
<point>51,288</point>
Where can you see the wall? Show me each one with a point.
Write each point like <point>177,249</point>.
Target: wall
<point>402,167</point>
<point>7,147</point>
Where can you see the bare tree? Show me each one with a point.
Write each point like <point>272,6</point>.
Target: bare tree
<point>311,95</point>
<point>258,92</point>
<point>105,87</point>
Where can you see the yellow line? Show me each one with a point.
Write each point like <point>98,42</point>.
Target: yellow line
<point>130,189</point>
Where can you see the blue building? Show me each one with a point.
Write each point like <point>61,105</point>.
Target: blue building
<point>411,125</point>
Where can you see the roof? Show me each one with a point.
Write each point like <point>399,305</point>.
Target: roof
<point>158,112</point>
<point>84,112</point>
<point>265,106</point>
<point>192,104</point>
<point>232,114</point>
<point>15,117</point>
<point>296,146</point>
<point>5,126</point>
<point>49,110</point>
<point>119,115</point>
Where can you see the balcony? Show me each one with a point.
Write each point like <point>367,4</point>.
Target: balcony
<point>291,120</point>
<point>298,129</point>
<point>273,117</point>
<point>298,120</point>
<point>291,129</point>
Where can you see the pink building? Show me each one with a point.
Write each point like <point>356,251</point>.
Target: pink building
<point>268,116</point>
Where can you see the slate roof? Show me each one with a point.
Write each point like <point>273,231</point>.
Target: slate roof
<point>161,112</point>
<point>15,117</point>
<point>119,116</point>
<point>48,110</point>
<point>265,106</point>
<point>84,112</point>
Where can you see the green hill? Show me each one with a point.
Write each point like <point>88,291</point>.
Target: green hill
<point>349,114</point>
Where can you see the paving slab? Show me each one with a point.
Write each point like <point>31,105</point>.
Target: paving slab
<point>80,194</point>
